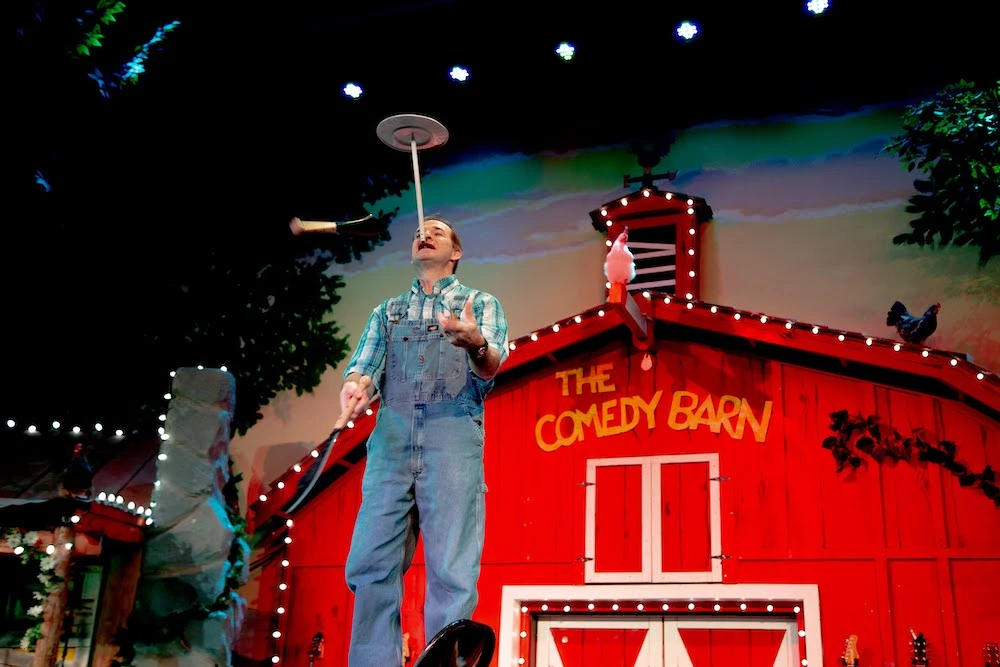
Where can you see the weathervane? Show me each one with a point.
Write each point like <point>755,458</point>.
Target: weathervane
<point>648,156</point>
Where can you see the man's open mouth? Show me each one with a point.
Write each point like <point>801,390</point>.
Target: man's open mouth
<point>425,244</point>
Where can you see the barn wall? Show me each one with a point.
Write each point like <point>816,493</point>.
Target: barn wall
<point>892,546</point>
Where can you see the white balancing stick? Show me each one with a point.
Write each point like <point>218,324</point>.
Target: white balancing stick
<point>416,186</point>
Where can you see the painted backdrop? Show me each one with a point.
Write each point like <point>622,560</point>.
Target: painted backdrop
<point>805,211</point>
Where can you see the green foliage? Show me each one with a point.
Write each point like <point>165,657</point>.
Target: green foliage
<point>954,139</point>
<point>58,36</point>
<point>42,564</point>
<point>858,436</point>
<point>170,248</point>
<point>105,15</point>
<point>265,317</point>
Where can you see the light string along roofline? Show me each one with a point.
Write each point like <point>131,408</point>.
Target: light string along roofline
<point>111,498</point>
<point>656,607</point>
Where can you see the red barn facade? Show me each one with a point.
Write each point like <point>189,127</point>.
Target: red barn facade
<point>673,482</point>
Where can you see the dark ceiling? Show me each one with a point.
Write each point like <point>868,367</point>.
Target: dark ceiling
<point>239,121</point>
<point>245,107</point>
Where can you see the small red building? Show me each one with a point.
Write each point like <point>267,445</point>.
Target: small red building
<point>673,482</point>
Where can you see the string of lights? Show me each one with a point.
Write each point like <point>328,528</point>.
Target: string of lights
<point>751,325</point>
<point>530,610</point>
<point>98,429</point>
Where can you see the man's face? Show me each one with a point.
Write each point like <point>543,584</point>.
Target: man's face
<point>436,245</point>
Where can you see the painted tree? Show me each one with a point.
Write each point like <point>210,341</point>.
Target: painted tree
<point>954,140</point>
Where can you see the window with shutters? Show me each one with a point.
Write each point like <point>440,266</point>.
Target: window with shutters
<point>653,519</point>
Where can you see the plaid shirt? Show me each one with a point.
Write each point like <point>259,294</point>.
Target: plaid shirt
<point>448,296</point>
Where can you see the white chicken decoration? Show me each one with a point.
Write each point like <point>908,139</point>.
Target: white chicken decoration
<point>619,265</point>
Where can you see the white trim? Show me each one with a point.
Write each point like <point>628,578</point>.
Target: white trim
<point>653,254</point>
<point>547,654</point>
<point>788,650</point>
<point>650,498</point>
<point>653,283</point>
<point>666,268</point>
<point>512,597</point>
<point>715,520</point>
<point>590,529</point>
<point>649,244</point>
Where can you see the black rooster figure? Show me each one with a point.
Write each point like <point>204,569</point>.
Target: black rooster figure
<point>913,329</point>
<point>78,477</point>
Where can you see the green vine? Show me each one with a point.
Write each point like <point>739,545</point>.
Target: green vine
<point>104,14</point>
<point>42,560</point>
<point>857,435</point>
<point>167,630</point>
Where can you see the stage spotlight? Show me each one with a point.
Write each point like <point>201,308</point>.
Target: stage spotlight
<point>459,73</point>
<point>818,6</point>
<point>687,30</point>
<point>566,51</point>
<point>353,90</point>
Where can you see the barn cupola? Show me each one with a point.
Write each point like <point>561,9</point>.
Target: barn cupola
<point>664,228</point>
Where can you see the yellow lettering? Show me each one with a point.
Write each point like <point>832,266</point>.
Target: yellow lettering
<point>678,409</point>
<point>602,376</point>
<point>724,415</point>
<point>759,428</point>
<point>564,376</point>
<point>688,411</point>
<point>587,418</point>
<point>649,409</point>
<point>706,416</point>
<point>627,403</point>
<point>543,444</point>
<point>606,416</point>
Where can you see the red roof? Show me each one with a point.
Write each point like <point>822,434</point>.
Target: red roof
<point>953,370</point>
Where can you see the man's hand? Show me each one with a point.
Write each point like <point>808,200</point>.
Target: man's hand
<point>463,332</point>
<point>354,390</point>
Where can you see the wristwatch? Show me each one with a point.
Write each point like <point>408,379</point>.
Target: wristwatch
<point>481,350</point>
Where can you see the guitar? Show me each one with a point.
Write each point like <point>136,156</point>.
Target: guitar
<point>316,648</point>
<point>851,657</point>
<point>918,648</point>
<point>991,652</point>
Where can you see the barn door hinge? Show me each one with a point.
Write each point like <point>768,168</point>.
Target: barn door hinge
<point>722,556</point>
<point>584,559</point>
<point>584,483</point>
<point>718,479</point>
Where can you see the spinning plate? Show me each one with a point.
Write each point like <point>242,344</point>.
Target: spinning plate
<point>400,130</point>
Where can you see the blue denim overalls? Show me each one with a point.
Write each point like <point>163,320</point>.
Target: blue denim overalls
<point>424,471</point>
